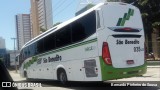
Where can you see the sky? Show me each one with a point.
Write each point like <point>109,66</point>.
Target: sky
<point>8,10</point>
<point>62,10</point>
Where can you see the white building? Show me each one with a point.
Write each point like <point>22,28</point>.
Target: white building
<point>2,43</point>
<point>23,29</point>
<point>41,16</point>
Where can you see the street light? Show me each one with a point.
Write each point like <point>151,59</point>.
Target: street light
<point>14,39</point>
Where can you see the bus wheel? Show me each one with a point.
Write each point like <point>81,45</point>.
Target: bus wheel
<point>62,77</point>
<point>25,75</point>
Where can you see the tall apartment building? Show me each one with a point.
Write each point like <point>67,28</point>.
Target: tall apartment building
<point>2,43</point>
<point>2,49</point>
<point>41,16</point>
<point>23,29</point>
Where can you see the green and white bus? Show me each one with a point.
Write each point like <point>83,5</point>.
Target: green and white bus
<point>105,42</point>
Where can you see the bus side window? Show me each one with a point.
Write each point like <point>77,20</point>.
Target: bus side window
<point>40,46</point>
<point>25,53</point>
<point>84,27</point>
<point>49,42</point>
<point>78,32</point>
<point>63,36</point>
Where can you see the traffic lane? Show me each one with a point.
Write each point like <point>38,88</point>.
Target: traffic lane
<point>50,85</point>
<point>54,85</point>
<point>115,88</point>
<point>151,75</point>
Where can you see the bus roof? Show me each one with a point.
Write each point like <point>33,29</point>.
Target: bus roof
<point>53,29</point>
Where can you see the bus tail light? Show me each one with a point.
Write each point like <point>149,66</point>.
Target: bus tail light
<point>106,53</point>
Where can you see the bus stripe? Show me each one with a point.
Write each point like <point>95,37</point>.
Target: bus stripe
<point>70,46</point>
<point>34,58</point>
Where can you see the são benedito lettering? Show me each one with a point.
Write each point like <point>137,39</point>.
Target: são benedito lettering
<point>131,42</point>
<point>53,59</point>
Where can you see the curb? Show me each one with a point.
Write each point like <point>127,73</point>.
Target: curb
<point>153,66</point>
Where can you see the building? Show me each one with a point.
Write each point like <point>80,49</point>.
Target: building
<point>2,43</point>
<point>41,16</point>
<point>23,29</point>
<point>3,51</point>
<point>10,58</point>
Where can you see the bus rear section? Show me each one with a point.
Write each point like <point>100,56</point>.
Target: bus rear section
<point>120,41</point>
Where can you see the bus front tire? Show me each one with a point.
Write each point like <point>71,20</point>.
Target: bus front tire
<point>26,76</point>
<point>62,77</point>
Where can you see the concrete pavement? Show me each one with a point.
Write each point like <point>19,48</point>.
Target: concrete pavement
<point>153,74</point>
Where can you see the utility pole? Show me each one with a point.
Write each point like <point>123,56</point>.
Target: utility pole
<point>14,39</point>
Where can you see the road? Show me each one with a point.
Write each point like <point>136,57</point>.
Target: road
<point>153,75</point>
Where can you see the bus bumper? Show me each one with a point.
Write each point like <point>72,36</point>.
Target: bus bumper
<point>108,72</point>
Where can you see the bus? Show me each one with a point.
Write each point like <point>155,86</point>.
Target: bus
<point>105,42</point>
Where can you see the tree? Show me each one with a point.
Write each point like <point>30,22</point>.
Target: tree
<point>57,24</point>
<point>42,29</point>
<point>88,6</point>
<point>150,10</point>
<point>151,18</point>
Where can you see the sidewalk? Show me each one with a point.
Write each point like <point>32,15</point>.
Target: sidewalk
<point>16,76</point>
<point>153,66</point>
<point>153,74</point>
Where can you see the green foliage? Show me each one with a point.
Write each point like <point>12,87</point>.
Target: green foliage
<point>156,24</point>
<point>57,24</point>
<point>144,15</point>
<point>1,59</point>
<point>151,7</point>
<point>90,6</point>
<point>30,62</point>
<point>150,10</point>
<point>142,2</point>
<point>42,29</point>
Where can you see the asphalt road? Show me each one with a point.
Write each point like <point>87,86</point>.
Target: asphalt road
<point>151,79</point>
